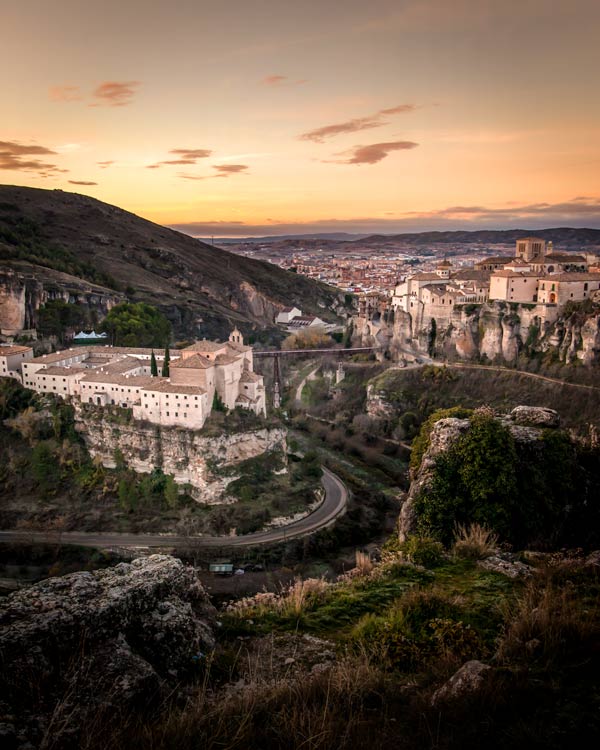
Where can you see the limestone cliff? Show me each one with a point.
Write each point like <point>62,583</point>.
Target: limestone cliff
<point>25,286</point>
<point>190,457</point>
<point>496,331</point>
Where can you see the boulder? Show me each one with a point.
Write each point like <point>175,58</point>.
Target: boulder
<point>537,416</point>
<point>96,641</point>
<point>506,564</point>
<point>467,681</point>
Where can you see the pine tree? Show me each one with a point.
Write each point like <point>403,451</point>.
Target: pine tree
<point>153,365</point>
<point>165,367</point>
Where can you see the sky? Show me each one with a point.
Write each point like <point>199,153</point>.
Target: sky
<point>253,117</point>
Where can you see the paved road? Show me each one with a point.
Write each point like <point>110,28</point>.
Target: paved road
<point>334,505</point>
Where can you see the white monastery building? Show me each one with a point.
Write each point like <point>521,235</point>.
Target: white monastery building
<point>120,376</point>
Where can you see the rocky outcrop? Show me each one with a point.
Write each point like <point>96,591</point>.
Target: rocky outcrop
<point>190,457</point>
<point>506,564</point>
<point>469,679</point>
<point>525,423</point>
<point>91,641</point>
<point>445,432</point>
<point>24,287</point>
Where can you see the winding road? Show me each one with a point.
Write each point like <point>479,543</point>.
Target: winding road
<point>333,506</point>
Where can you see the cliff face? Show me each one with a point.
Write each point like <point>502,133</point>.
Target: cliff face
<point>495,330</point>
<point>91,642</point>
<point>190,457</point>
<point>24,287</point>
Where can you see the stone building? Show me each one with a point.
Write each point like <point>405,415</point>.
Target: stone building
<point>121,376</point>
<point>12,358</point>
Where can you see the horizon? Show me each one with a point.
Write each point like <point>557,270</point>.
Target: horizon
<point>396,117</point>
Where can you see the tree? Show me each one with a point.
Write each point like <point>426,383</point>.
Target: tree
<point>217,404</point>
<point>56,317</point>
<point>136,324</point>
<point>308,338</point>
<point>171,492</point>
<point>153,365</point>
<point>165,367</point>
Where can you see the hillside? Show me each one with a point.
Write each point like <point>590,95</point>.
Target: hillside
<point>200,288</point>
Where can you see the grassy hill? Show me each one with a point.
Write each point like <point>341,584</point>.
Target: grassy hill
<point>199,287</point>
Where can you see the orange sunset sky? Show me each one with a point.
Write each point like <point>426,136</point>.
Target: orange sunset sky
<point>266,116</point>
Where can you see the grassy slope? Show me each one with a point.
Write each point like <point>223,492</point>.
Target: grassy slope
<point>424,390</point>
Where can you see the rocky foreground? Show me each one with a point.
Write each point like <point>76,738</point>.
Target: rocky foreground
<point>89,643</point>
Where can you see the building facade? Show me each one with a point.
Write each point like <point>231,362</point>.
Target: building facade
<point>121,376</point>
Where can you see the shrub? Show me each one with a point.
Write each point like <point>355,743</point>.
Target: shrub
<point>421,442</point>
<point>424,551</point>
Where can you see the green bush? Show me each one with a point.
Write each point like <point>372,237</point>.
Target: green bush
<point>423,551</point>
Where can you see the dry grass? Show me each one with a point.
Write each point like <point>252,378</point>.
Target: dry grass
<point>474,542</point>
<point>312,712</point>
<point>290,601</point>
<point>364,564</point>
<point>550,623</point>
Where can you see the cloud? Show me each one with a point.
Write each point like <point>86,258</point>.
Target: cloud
<point>319,135</point>
<point>225,170</point>
<point>277,80</point>
<point>14,157</point>
<point>104,164</point>
<point>372,153</point>
<point>81,182</point>
<point>274,80</point>
<point>186,156</point>
<point>65,93</point>
<point>115,93</point>
<point>577,212</point>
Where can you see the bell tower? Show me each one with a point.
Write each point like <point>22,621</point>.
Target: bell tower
<point>236,337</point>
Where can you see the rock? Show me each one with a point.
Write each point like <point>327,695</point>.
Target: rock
<point>505,564</point>
<point>537,416</point>
<point>467,681</point>
<point>109,638</point>
<point>593,559</point>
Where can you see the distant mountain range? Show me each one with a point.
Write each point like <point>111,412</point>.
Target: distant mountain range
<point>560,236</point>
<point>201,288</point>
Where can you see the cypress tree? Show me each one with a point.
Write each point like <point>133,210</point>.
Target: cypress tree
<point>153,365</point>
<point>165,367</point>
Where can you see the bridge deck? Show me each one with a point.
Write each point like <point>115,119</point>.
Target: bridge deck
<point>284,352</point>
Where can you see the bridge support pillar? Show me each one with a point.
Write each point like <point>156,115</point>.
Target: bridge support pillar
<point>276,383</point>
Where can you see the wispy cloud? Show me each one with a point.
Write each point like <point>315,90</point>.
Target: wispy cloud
<point>65,93</point>
<point>372,153</point>
<point>278,80</point>
<point>115,93</point>
<point>225,170</point>
<point>222,170</point>
<point>105,164</point>
<point>81,182</point>
<point>184,156</point>
<point>319,135</point>
<point>16,157</point>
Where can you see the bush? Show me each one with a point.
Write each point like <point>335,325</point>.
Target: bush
<point>423,551</point>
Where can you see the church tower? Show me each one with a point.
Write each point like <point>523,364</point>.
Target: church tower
<point>236,337</point>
